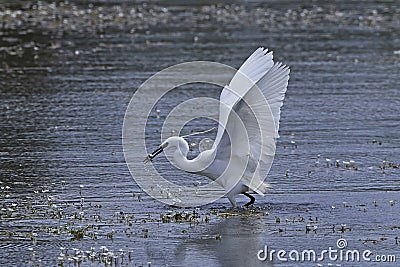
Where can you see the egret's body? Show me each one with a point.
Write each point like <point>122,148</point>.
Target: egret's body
<point>245,141</point>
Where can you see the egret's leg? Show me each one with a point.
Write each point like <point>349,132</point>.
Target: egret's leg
<point>232,199</point>
<point>252,199</point>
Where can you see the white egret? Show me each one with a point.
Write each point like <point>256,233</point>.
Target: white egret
<point>254,145</point>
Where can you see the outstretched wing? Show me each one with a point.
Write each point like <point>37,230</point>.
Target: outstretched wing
<point>273,86</point>
<point>257,112</point>
<point>251,71</point>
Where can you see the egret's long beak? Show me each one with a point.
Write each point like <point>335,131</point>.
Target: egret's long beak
<point>153,155</point>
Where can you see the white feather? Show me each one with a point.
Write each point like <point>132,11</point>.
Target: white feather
<point>258,109</point>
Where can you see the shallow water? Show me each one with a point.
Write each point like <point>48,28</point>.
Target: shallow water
<point>65,86</point>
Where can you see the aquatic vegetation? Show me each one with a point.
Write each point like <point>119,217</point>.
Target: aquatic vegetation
<point>385,166</point>
<point>102,255</point>
<point>251,211</point>
<point>182,217</point>
<point>78,234</point>
<point>80,220</point>
<point>328,162</point>
<point>378,142</point>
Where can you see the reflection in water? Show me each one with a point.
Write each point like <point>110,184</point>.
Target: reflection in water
<point>234,241</point>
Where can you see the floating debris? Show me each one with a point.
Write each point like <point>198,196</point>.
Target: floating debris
<point>328,162</point>
<point>337,164</point>
<point>293,144</point>
<point>317,161</point>
<point>308,228</point>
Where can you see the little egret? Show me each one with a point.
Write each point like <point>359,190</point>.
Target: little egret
<point>242,143</point>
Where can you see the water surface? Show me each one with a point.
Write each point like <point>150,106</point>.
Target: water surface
<point>69,70</point>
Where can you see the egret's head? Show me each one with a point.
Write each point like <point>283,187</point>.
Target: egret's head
<point>174,143</point>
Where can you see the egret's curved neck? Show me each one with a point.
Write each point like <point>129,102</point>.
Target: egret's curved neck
<point>197,164</point>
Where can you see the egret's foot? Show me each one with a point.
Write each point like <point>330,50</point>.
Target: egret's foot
<point>252,199</point>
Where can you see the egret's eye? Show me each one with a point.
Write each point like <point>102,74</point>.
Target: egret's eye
<point>165,145</point>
